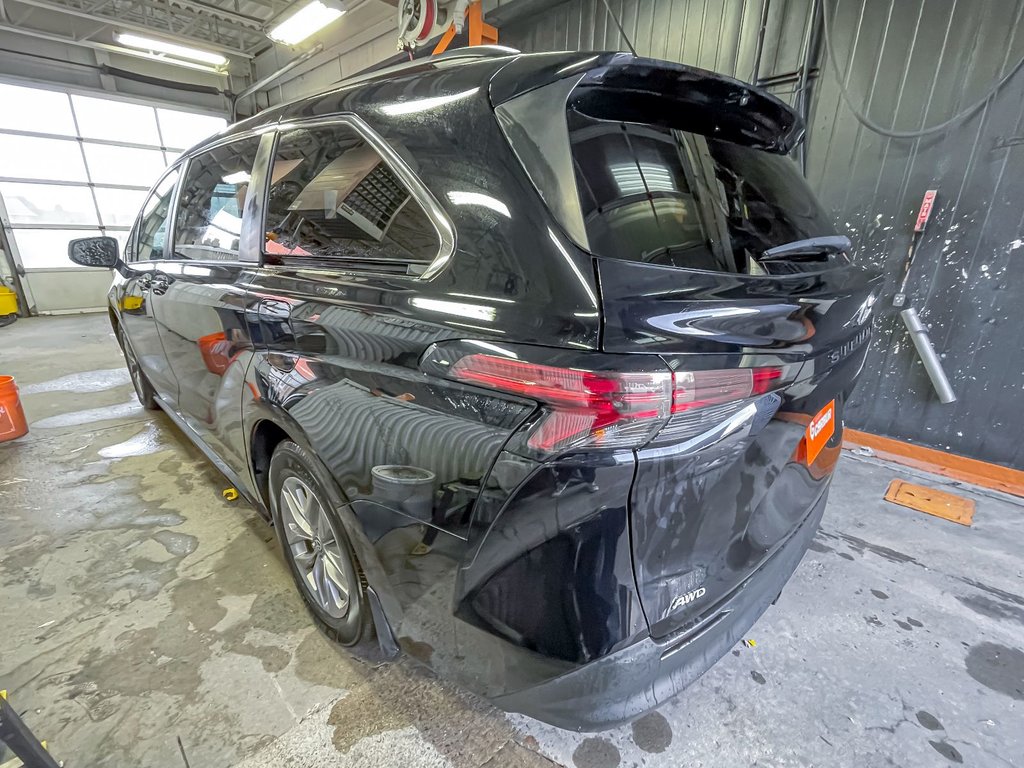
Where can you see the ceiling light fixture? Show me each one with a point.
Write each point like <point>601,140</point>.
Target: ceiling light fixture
<point>307,20</point>
<point>172,49</point>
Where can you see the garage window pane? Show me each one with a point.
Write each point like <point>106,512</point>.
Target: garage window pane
<point>48,204</point>
<point>181,130</point>
<point>123,165</point>
<point>47,248</point>
<point>37,110</point>
<point>27,157</point>
<point>115,120</point>
<point>119,207</point>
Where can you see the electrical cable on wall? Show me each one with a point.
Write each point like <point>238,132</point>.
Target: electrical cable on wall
<point>892,133</point>
<point>621,30</point>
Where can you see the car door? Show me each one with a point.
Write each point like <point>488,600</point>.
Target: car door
<point>346,320</point>
<point>144,255</point>
<point>199,296</point>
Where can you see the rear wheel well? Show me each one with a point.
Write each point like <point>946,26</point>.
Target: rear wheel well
<point>265,438</point>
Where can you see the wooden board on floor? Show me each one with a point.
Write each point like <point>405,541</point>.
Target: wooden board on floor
<point>948,506</point>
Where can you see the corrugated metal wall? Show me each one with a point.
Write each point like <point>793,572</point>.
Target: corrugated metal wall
<point>908,63</point>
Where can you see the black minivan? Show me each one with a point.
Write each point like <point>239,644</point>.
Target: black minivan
<point>537,363</point>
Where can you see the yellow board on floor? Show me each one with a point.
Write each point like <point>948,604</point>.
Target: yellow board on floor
<point>948,506</point>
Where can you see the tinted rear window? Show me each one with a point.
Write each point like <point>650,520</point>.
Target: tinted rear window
<point>664,196</point>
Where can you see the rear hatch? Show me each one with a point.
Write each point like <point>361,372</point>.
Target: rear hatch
<point>710,252</point>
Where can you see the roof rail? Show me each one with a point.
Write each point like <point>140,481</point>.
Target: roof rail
<point>470,52</point>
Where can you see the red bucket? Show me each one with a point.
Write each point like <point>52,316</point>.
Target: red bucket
<point>12,417</point>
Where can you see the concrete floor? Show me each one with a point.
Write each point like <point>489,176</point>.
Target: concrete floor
<point>137,607</point>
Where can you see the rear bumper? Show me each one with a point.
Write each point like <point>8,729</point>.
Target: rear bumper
<point>621,686</point>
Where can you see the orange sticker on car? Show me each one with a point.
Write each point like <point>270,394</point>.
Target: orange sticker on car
<point>819,430</point>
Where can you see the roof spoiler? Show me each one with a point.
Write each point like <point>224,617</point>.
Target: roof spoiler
<point>627,88</point>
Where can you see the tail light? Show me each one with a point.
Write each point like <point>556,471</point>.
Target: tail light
<point>608,408</point>
<point>600,408</point>
<point>699,389</point>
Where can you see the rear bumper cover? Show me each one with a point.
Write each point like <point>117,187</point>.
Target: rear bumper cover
<point>622,686</point>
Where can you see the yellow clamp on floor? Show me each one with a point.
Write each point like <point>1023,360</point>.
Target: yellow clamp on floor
<point>230,493</point>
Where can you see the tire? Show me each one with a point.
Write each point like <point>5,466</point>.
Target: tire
<point>315,545</point>
<point>143,389</point>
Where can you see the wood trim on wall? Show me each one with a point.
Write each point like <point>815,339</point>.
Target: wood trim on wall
<point>993,476</point>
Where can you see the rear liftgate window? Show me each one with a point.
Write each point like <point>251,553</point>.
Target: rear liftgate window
<point>671,197</point>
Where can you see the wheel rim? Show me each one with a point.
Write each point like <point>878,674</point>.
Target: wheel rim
<point>313,547</point>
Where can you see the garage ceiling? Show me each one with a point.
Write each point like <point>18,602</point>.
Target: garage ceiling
<point>234,27</point>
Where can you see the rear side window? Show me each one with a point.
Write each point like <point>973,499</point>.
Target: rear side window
<point>665,196</point>
<point>209,221</point>
<point>335,201</point>
<point>637,194</point>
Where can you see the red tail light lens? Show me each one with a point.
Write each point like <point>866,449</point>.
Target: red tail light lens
<point>609,409</point>
<point>699,389</point>
<point>601,408</point>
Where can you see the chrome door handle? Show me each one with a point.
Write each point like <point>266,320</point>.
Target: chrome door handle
<point>160,284</point>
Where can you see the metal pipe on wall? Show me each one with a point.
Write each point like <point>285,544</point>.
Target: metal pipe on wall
<point>261,84</point>
<point>925,350</point>
<point>812,41</point>
<point>759,49</point>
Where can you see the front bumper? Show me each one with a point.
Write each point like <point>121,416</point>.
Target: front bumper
<point>623,685</point>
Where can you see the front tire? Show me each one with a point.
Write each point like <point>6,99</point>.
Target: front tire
<point>315,544</point>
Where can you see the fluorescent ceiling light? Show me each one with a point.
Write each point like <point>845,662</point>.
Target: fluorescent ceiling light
<point>422,105</point>
<point>161,46</point>
<point>305,22</point>
<point>652,177</point>
<point>237,178</point>
<point>457,308</point>
<point>477,198</point>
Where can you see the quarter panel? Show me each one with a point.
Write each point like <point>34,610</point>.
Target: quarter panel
<point>344,368</point>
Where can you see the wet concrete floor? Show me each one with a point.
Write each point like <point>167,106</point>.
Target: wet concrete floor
<point>137,607</point>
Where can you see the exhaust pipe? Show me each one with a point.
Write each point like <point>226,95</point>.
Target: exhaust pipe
<point>925,350</point>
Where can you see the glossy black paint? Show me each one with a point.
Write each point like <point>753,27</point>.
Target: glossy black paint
<point>662,93</point>
<point>791,316</point>
<point>518,572</point>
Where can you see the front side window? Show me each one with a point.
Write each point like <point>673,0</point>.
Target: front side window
<point>209,221</point>
<point>147,241</point>
<point>334,200</point>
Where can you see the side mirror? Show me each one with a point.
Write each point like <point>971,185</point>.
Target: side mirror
<point>94,252</point>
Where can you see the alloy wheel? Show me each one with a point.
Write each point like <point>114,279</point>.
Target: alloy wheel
<point>314,548</point>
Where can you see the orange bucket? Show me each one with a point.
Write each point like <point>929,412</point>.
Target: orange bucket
<point>12,417</point>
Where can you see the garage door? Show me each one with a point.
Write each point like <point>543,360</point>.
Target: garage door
<point>77,164</point>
